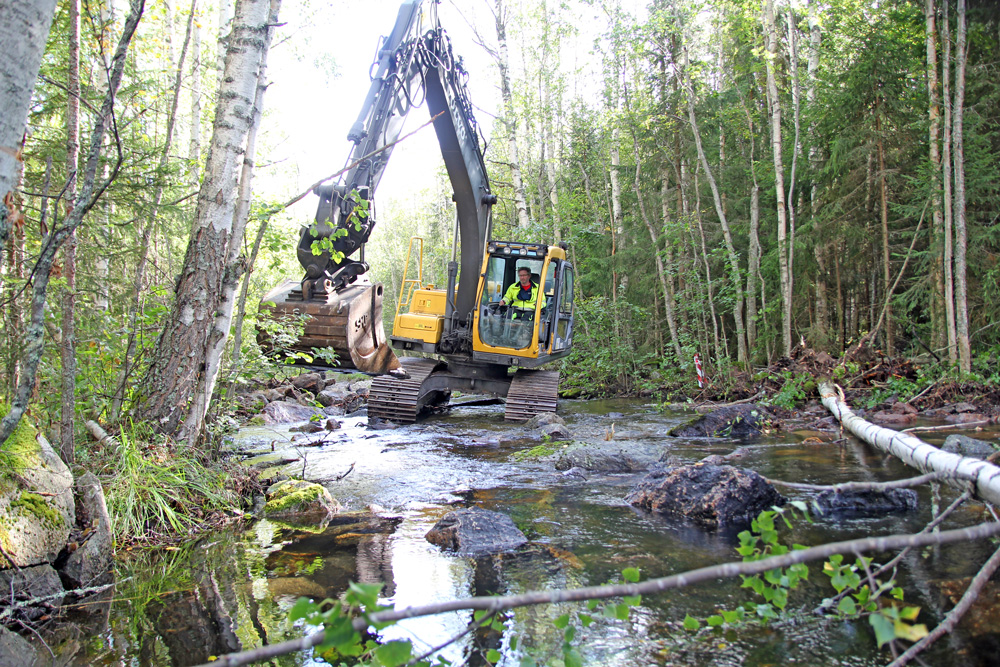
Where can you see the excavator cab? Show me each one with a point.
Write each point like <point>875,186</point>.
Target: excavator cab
<point>514,336</point>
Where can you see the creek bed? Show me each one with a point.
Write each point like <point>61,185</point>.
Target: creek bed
<point>232,590</point>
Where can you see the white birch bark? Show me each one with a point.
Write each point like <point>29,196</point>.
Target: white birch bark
<point>23,31</point>
<point>948,252</point>
<point>985,477</point>
<point>194,141</point>
<point>934,141</point>
<point>734,261</point>
<point>774,104</point>
<point>961,231</point>
<point>179,376</point>
<point>224,315</point>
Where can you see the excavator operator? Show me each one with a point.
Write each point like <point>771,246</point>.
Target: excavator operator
<point>523,295</point>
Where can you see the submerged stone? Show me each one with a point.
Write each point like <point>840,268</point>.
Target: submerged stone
<point>599,459</point>
<point>475,532</point>
<point>734,421</point>
<point>966,446</point>
<point>866,503</point>
<point>709,495</point>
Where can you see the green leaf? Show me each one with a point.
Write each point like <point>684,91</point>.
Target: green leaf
<point>366,594</point>
<point>493,655</point>
<point>569,634</point>
<point>572,658</point>
<point>585,620</point>
<point>885,629</point>
<point>631,574</point>
<point>301,609</point>
<point>621,612</point>
<point>394,653</point>
<point>592,605</point>
<point>909,613</point>
<point>562,621</point>
<point>847,607</point>
<point>513,643</point>
<point>715,621</point>
<point>633,600</point>
<point>691,623</point>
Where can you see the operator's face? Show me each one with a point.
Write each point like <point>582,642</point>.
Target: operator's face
<point>525,276</point>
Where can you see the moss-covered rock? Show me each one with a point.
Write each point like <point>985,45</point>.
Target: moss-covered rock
<point>37,509</point>
<point>299,501</point>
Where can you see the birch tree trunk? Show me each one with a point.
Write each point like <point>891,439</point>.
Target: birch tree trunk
<point>661,272</point>
<point>510,116</point>
<point>669,298</point>
<point>734,262</point>
<point>774,104</point>
<point>185,363</point>
<point>793,59</point>
<point>23,31</point>
<point>961,232</point>
<point>67,441</point>
<point>815,162</point>
<point>946,164</point>
<point>616,209</point>
<point>938,318</point>
<point>914,452</point>
<point>194,140</point>
<point>883,198</point>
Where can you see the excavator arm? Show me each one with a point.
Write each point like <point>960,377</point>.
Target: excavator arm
<point>414,65</point>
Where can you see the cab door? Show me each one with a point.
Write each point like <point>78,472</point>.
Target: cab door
<point>562,315</point>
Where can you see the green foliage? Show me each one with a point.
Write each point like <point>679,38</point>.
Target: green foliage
<point>325,243</point>
<point>153,488</point>
<point>792,392</point>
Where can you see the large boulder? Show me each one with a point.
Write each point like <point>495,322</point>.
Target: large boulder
<point>39,583</point>
<point>735,421</point>
<point>966,446</point>
<point>866,503</point>
<point>37,509</point>
<point>90,563</point>
<point>285,412</point>
<point>300,502</point>
<point>711,496</point>
<point>476,532</point>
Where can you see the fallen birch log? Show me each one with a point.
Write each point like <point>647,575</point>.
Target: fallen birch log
<point>99,434</point>
<point>985,477</point>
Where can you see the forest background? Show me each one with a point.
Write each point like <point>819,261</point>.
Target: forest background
<point>732,178</point>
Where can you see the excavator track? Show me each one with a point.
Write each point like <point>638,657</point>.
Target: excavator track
<point>401,399</point>
<point>531,392</point>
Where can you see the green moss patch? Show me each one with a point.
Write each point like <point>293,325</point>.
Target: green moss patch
<point>535,453</point>
<point>21,450</point>
<point>288,495</point>
<point>37,506</point>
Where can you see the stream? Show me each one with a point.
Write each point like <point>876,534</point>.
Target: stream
<point>232,590</point>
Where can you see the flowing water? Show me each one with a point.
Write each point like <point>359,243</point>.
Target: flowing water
<point>232,590</point>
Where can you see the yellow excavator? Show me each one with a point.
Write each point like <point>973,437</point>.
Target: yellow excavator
<point>475,341</point>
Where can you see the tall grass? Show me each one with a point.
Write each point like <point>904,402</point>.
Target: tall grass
<point>153,490</point>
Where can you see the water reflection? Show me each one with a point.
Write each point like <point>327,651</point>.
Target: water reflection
<point>232,591</point>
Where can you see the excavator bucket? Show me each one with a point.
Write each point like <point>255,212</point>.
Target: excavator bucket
<point>349,321</point>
